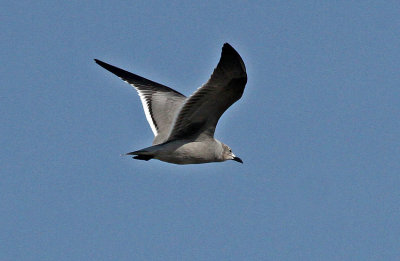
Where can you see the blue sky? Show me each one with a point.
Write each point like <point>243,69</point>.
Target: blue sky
<point>317,128</point>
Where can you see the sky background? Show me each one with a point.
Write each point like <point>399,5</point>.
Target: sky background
<point>317,128</point>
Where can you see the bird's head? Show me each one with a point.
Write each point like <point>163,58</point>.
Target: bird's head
<point>228,154</point>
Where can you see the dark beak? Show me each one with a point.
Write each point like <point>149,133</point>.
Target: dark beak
<point>238,159</point>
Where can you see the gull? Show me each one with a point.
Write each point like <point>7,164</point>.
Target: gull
<point>183,126</point>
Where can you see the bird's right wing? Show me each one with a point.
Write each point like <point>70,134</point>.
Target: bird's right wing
<point>160,103</point>
<point>199,115</point>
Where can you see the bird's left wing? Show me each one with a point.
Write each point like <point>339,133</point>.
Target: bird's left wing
<point>160,103</point>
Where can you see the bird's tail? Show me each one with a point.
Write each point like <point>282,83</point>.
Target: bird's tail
<point>143,154</point>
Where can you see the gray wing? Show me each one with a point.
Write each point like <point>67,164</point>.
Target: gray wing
<point>200,114</point>
<point>160,103</point>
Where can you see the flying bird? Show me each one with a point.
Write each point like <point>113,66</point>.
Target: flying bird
<point>183,126</point>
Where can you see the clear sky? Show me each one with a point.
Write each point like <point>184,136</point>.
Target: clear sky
<point>318,130</point>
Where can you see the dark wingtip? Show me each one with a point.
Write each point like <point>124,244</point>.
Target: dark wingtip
<point>228,48</point>
<point>101,63</point>
<point>115,70</point>
<point>226,45</point>
<point>231,57</point>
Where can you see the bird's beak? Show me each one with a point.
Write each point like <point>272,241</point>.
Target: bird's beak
<point>237,159</point>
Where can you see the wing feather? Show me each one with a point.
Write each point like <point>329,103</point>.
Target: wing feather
<point>200,113</point>
<point>160,103</point>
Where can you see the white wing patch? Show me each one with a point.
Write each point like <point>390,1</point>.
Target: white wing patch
<point>146,109</point>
